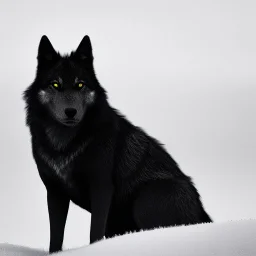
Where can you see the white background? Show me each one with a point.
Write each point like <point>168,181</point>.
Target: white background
<point>182,70</point>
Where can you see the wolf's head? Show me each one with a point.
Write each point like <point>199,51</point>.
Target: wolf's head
<point>65,87</point>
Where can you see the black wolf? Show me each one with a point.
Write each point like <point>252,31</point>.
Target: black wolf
<point>89,153</point>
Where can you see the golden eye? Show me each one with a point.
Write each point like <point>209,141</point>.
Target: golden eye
<point>56,85</point>
<point>80,85</point>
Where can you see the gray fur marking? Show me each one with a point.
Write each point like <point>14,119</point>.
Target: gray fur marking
<point>91,97</point>
<point>43,96</point>
<point>61,165</point>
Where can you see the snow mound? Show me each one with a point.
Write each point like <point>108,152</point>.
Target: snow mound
<point>15,250</point>
<point>233,238</point>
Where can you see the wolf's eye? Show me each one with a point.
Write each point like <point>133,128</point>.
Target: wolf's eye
<point>80,85</point>
<point>56,85</point>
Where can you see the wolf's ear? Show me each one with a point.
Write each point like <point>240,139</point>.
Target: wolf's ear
<point>46,52</point>
<point>84,50</point>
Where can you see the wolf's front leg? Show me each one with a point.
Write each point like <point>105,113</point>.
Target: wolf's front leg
<point>58,206</point>
<point>101,195</point>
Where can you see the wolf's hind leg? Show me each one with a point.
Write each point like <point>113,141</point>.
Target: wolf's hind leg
<point>168,203</point>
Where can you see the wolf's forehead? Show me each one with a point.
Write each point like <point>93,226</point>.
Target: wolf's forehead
<point>66,71</point>
<point>66,78</point>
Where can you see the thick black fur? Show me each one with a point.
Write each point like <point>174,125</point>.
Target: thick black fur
<point>122,176</point>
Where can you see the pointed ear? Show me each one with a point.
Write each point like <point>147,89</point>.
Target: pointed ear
<point>46,52</point>
<point>84,50</point>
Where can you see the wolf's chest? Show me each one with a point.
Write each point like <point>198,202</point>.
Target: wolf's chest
<point>67,171</point>
<point>62,165</point>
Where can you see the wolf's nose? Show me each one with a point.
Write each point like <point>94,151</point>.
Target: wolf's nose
<point>70,112</point>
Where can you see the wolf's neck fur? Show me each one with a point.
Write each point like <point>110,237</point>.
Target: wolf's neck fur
<point>60,137</point>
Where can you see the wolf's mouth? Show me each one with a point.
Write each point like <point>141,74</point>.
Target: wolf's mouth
<point>70,122</point>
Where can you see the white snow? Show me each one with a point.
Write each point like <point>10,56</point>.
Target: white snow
<point>232,238</point>
<point>15,250</point>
